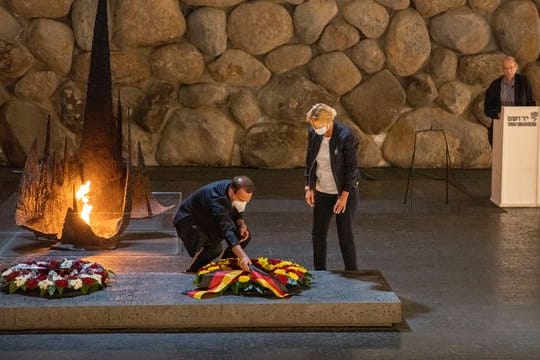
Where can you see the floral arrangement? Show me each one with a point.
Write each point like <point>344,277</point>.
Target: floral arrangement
<point>52,278</point>
<point>281,278</point>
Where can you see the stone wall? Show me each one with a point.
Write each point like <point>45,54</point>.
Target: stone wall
<point>228,82</point>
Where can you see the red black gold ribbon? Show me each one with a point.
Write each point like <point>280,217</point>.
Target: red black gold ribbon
<point>217,282</point>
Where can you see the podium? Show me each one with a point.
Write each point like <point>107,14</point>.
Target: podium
<point>515,165</point>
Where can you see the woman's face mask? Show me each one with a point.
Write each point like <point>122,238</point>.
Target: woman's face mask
<point>239,205</point>
<point>321,131</point>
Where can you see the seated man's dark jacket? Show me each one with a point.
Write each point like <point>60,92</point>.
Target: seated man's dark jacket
<point>343,158</point>
<point>211,209</point>
<point>522,95</point>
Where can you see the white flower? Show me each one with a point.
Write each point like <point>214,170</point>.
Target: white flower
<point>66,264</point>
<point>21,280</point>
<point>57,277</point>
<point>96,277</point>
<point>44,284</point>
<point>7,272</point>
<point>53,274</point>
<point>75,284</point>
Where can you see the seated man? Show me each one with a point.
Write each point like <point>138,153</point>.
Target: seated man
<point>212,214</point>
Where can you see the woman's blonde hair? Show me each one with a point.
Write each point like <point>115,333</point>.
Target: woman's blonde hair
<point>321,114</point>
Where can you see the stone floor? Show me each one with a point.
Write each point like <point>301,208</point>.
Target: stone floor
<point>467,272</point>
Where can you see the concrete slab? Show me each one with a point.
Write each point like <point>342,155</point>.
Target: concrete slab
<point>154,301</point>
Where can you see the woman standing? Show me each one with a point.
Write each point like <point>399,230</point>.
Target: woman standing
<point>331,179</point>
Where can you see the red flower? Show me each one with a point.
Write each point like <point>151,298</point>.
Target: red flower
<point>61,283</point>
<point>53,264</point>
<point>12,276</point>
<point>32,283</point>
<point>88,280</point>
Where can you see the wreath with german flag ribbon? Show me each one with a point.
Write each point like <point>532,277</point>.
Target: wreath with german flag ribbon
<point>268,277</point>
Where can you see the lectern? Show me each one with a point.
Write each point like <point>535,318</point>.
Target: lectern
<point>515,164</point>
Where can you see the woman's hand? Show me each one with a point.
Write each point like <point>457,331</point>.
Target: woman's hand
<point>310,197</point>
<point>341,203</point>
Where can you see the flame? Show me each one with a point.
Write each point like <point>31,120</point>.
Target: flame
<point>82,195</point>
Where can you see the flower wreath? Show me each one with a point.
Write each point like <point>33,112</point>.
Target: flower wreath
<point>281,278</point>
<point>51,278</point>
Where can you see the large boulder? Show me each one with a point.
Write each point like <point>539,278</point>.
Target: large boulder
<point>372,112</point>
<point>197,137</point>
<point>430,8</point>
<point>181,62</point>
<point>16,60</point>
<point>484,6</point>
<point>338,35</point>
<point>148,143</point>
<point>454,97</point>
<point>152,111</point>
<point>213,3</point>
<point>275,145</point>
<point>368,16</point>
<point>533,75</point>
<point>4,95</point>
<point>40,8</point>
<point>369,151</point>
<point>244,108</point>
<point>238,68</point>
<point>395,4</point>
<point>259,27</point>
<point>311,17</point>
<point>37,85</point>
<point>480,69</point>
<point>3,158</point>
<point>69,101</point>
<point>207,30</point>
<point>9,26</point>
<point>407,43</point>
<point>461,29</point>
<point>368,56</point>
<point>467,142</point>
<point>52,42</point>
<point>289,97</point>
<point>517,27</point>
<point>141,23</point>
<point>477,109</point>
<point>203,94</point>
<point>443,64</point>
<point>83,17</point>
<point>288,57</point>
<point>335,71</point>
<point>127,68</point>
<point>421,90</point>
<point>22,123</point>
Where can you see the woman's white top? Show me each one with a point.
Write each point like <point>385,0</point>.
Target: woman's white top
<point>325,178</point>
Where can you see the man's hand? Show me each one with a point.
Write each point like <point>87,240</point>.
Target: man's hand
<point>242,229</point>
<point>244,232</point>
<point>243,259</point>
<point>244,263</point>
<point>310,197</point>
<point>341,203</point>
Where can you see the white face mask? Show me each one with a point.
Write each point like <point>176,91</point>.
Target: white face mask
<point>321,131</point>
<point>239,205</point>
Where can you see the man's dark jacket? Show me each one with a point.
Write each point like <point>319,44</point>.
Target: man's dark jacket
<point>211,209</point>
<point>343,157</point>
<point>523,95</point>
